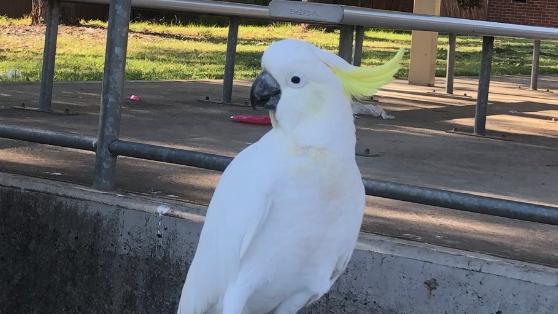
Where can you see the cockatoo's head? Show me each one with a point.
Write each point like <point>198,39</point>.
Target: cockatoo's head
<point>308,90</point>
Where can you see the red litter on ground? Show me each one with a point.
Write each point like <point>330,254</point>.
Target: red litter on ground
<point>134,98</point>
<point>252,119</point>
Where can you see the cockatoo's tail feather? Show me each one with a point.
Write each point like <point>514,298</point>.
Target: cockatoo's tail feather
<point>360,82</point>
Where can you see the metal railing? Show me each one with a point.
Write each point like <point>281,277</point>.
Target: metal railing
<point>379,188</point>
<point>351,19</point>
<point>107,146</point>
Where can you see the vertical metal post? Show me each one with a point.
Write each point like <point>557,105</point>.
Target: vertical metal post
<point>228,76</point>
<point>535,66</point>
<point>346,42</point>
<point>450,69</point>
<point>484,85</point>
<point>113,85</point>
<point>359,42</point>
<point>49,55</point>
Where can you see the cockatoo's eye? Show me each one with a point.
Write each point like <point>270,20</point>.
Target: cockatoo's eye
<point>296,81</point>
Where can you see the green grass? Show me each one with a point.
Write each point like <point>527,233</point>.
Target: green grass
<point>167,52</point>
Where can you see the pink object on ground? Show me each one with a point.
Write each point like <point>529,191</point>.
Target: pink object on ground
<point>134,98</point>
<point>252,119</point>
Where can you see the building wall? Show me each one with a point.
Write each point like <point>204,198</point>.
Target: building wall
<point>20,8</point>
<point>15,8</point>
<point>451,8</point>
<point>528,12</point>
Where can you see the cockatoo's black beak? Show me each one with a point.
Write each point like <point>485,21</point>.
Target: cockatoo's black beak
<point>265,92</point>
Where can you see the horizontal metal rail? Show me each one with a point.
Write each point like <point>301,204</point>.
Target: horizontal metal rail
<point>351,16</point>
<point>170,155</point>
<point>379,188</point>
<point>462,201</point>
<point>410,21</point>
<point>63,139</point>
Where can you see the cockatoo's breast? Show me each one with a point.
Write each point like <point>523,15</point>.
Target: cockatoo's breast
<point>315,189</point>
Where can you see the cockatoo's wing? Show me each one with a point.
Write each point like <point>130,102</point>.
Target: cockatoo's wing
<point>238,209</point>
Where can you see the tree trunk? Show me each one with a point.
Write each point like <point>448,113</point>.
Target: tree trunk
<point>38,11</point>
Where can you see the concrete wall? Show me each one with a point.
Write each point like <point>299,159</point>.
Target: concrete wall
<point>65,248</point>
<point>65,255</point>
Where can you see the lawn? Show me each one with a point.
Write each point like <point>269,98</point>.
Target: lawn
<point>168,52</point>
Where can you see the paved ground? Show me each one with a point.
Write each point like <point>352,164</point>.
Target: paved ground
<point>415,148</point>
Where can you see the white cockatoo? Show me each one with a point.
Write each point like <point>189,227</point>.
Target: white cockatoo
<point>286,214</point>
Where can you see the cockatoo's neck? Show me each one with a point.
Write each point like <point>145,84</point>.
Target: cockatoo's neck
<point>332,131</point>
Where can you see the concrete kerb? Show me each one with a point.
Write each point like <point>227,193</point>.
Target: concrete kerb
<point>386,275</point>
<point>459,259</point>
<point>189,211</point>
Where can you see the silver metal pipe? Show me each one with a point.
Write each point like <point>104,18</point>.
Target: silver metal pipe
<point>535,65</point>
<point>346,42</point>
<point>170,155</point>
<point>462,201</point>
<point>63,139</point>
<point>484,85</point>
<point>113,86</point>
<point>359,42</point>
<point>49,55</point>
<point>450,67</point>
<point>228,75</point>
<point>409,21</point>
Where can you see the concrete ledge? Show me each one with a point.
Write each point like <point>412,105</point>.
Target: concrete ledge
<point>69,248</point>
<point>388,275</point>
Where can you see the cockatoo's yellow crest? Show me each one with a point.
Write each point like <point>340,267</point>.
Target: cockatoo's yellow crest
<point>360,82</point>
